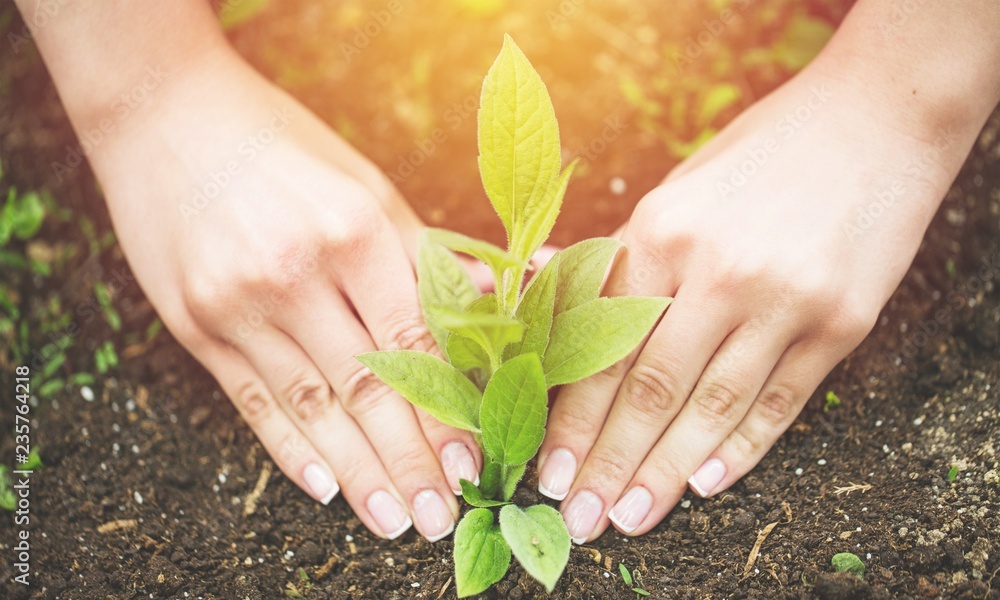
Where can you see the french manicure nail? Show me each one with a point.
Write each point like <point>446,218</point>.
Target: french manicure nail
<point>320,480</point>
<point>388,514</point>
<point>457,462</point>
<point>434,518</point>
<point>557,474</point>
<point>708,475</point>
<point>633,507</point>
<point>582,514</point>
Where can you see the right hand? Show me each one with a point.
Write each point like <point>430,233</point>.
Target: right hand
<point>275,274</point>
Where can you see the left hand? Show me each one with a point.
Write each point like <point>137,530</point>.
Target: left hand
<point>776,278</point>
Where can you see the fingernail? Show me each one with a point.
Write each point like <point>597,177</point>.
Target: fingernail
<point>708,475</point>
<point>631,509</point>
<point>434,518</point>
<point>388,514</point>
<point>457,462</point>
<point>320,480</point>
<point>582,514</point>
<point>557,474</point>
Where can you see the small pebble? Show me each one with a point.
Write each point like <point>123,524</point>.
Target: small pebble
<point>686,504</point>
<point>135,449</point>
<point>415,584</point>
<point>137,496</point>
<point>87,393</point>
<point>348,538</point>
<point>798,471</point>
<point>130,405</point>
<point>289,555</point>
<point>222,478</point>
<point>115,448</point>
<point>821,462</point>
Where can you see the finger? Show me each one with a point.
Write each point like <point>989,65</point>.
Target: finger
<point>652,394</point>
<point>796,376</point>
<point>580,409</point>
<point>723,396</point>
<point>332,338</point>
<point>304,395</point>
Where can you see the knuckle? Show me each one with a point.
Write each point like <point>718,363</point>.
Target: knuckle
<point>308,399</point>
<point>353,230</point>
<point>406,330</point>
<point>290,451</point>
<point>409,462</point>
<point>850,321</point>
<point>362,391</point>
<point>651,390</point>
<point>287,267</point>
<point>716,399</point>
<point>207,295</point>
<point>571,420</point>
<point>253,403</point>
<point>778,404</point>
<point>744,445</point>
<point>667,472</point>
<point>609,466</point>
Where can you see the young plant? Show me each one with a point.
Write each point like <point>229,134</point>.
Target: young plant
<point>505,349</point>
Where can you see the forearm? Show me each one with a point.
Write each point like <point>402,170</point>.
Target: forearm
<point>99,52</point>
<point>925,67</point>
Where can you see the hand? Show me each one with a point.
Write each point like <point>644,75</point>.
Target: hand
<point>780,241</point>
<point>275,253</point>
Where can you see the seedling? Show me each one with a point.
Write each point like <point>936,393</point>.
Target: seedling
<point>632,581</point>
<point>952,473</point>
<point>505,349</point>
<point>832,401</point>
<point>845,562</point>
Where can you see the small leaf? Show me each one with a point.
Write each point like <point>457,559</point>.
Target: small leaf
<point>640,591</point>
<point>441,281</point>
<point>512,416</point>
<point>842,562</point>
<point>519,152</point>
<point>491,480</point>
<point>596,335</point>
<point>626,576</point>
<point>952,473</point>
<point>492,332</point>
<point>512,475</point>
<point>536,310</point>
<point>482,556</point>
<point>8,500</point>
<point>469,357</point>
<point>474,496</point>
<point>582,268</point>
<point>538,538</point>
<point>428,383</point>
<point>541,216</point>
<point>496,258</point>
<point>33,462</point>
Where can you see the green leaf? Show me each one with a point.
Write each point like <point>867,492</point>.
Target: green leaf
<point>469,357</point>
<point>536,310</point>
<point>512,475</point>
<point>952,473</point>
<point>474,496</point>
<point>596,335</point>
<point>428,383</point>
<point>8,501</point>
<point>441,281</point>
<point>844,562</point>
<point>519,152</point>
<point>626,576</point>
<point>538,538</point>
<point>34,461</point>
<point>50,387</point>
<point>582,268</point>
<point>496,258</point>
<point>513,412</point>
<point>482,556</point>
<point>492,332</point>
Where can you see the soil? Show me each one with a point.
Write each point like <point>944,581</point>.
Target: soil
<point>153,488</point>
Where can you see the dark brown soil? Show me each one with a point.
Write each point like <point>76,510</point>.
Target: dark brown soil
<point>162,453</point>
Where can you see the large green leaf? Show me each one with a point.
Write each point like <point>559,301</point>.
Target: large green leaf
<point>519,153</point>
<point>482,556</point>
<point>582,268</point>
<point>596,335</point>
<point>515,404</point>
<point>441,281</point>
<point>538,538</point>
<point>536,310</point>
<point>428,383</point>
<point>492,332</point>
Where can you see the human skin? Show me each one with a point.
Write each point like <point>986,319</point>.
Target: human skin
<point>279,273</point>
<point>776,275</point>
